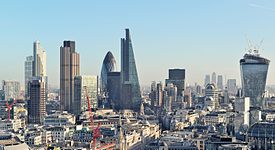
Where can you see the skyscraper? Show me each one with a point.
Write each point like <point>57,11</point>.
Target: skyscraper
<point>11,88</point>
<point>39,60</point>
<point>113,88</point>
<point>69,68</point>
<point>214,78</point>
<point>232,87</point>
<point>206,80</point>
<point>28,73</point>
<point>177,77</point>
<point>39,65</point>
<point>130,88</point>
<point>109,65</point>
<point>83,86</point>
<point>220,82</point>
<point>254,69</point>
<point>37,102</point>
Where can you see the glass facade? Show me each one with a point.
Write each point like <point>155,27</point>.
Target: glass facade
<point>109,65</point>
<point>80,100</point>
<point>130,88</point>
<point>253,74</point>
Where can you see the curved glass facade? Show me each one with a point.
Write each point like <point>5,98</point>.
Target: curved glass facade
<point>109,65</point>
<point>253,75</point>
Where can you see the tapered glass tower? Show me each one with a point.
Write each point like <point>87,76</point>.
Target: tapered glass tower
<point>130,88</point>
<point>109,65</point>
<point>254,70</point>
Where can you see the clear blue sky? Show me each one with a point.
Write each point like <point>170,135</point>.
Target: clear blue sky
<point>201,36</point>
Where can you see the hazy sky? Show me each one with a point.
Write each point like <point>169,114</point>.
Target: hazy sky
<point>198,35</point>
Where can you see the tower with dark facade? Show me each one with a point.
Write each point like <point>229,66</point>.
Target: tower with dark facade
<point>37,102</point>
<point>177,78</point>
<point>69,68</point>
<point>130,89</point>
<point>254,69</point>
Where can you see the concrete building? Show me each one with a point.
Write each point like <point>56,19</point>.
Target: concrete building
<point>11,88</point>
<point>83,86</point>
<point>59,119</point>
<point>211,93</point>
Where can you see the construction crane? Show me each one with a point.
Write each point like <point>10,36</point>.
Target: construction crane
<point>96,131</point>
<point>9,106</point>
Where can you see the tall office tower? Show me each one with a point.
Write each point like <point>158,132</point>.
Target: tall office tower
<point>212,94</point>
<point>37,102</point>
<point>40,64</point>
<point>28,73</point>
<point>11,88</point>
<point>159,95</point>
<point>113,88</point>
<point>254,70</point>
<point>220,82</point>
<point>177,77</point>
<point>188,97</point>
<point>85,86</point>
<point>214,78</point>
<point>232,87</point>
<point>39,60</point>
<point>69,68</point>
<point>207,80</point>
<point>153,93</point>
<point>130,88</point>
<point>109,65</point>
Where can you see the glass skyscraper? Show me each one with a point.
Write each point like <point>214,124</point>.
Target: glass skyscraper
<point>254,70</point>
<point>109,65</point>
<point>130,88</point>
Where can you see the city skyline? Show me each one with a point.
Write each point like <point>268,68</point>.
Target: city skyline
<point>154,48</point>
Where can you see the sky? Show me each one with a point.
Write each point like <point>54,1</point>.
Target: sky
<point>200,36</point>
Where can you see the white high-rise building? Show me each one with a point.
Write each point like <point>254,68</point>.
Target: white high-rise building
<point>39,60</point>
<point>28,72</point>
<point>11,89</point>
<point>40,64</point>
<point>214,78</point>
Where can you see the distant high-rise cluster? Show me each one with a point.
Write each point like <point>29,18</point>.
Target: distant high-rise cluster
<point>122,89</point>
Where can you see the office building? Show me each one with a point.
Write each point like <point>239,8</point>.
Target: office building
<point>130,88</point>
<point>28,73</point>
<point>207,80</point>
<point>113,88</point>
<point>109,65</point>
<point>37,102</point>
<point>214,78</point>
<point>85,86</point>
<point>40,64</point>
<point>11,88</point>
<point>177,77</point>
<point>220,82</point>
<point>254,69</point>
<point>232,87</point>
<point>69,68</point>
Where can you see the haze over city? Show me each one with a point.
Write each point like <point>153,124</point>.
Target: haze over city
<point>200,36</point>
